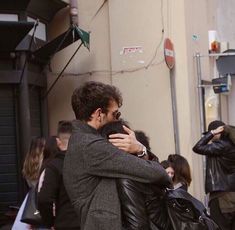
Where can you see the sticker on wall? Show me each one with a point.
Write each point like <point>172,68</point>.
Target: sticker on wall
<point>131,50</point>
<point>195,37</point>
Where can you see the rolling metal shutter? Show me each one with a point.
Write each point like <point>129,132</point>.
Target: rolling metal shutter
<point>8,149</point>
<point>35,111</point>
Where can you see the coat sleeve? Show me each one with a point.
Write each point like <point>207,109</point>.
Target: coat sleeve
<point>47,195</point>
<point>215,148</point>
<point>104,159</point>
<point>133,204</point>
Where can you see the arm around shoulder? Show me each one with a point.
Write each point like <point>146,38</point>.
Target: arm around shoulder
<point>104,159</point>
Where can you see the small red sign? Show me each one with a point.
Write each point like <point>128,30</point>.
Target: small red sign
<point>169,53</point>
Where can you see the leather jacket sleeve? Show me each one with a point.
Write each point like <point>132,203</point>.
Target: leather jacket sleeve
<point>216,148</point>
<point>47,196</point>
<point>133,204</point>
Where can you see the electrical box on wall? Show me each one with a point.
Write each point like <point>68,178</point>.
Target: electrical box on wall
<point>222,84</point>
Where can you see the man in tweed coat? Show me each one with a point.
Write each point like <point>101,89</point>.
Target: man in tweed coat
<point>92,163</point>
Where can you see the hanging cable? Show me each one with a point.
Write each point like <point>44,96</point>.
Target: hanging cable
<point>56,50</point>
<point>162,36</point>
<point>61,42</point>
<point>61,73</point>
<point>131,70</point>
<point>97,12</point>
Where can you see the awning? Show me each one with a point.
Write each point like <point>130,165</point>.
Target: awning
<point>12,33</point>
<point>67,38</point>
<point>45,9</point>
<point>17,5</point>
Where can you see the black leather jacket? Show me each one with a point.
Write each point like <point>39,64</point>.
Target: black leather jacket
<point>148,207</point>
<point>53,191</point>
<point>143,206</point>
<point>220,163</point>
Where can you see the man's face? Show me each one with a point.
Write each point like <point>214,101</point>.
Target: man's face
<point>111,115</point>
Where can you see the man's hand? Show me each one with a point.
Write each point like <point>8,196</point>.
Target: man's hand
<point>220,129</point>
<point>126,142</point>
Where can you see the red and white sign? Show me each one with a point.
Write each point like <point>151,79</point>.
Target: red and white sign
<point>169,53</point>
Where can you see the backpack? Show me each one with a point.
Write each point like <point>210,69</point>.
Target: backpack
<point>187,213</point>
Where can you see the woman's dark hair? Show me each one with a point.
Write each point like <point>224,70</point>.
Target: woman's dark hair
<point>91,96</point>
<point>117,127</point>
<point>50,150</point>
<point>142,138</point>
<point>112,128</point>
<point>33,159</point>
<point>181,168</point>
<point>166,164</point>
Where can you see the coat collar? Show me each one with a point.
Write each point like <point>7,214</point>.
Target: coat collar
<point>83,126</point>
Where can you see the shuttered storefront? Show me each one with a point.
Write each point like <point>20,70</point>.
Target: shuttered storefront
<point>8,149</point>
<point>35,111</point>
<point>10,157</point>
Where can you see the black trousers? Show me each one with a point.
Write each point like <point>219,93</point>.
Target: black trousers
<point>226,221</point>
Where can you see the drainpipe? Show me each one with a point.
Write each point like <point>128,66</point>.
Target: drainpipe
<point>74,12</point>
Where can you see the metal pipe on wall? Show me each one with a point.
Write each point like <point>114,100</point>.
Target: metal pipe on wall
<point>74,12</point>
<point>200,92</point>
<point>174,111</point>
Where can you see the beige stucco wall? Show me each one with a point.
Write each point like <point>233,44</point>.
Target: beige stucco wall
<point>143,76</point>
<point>97,59</point>
<point>146,91</point>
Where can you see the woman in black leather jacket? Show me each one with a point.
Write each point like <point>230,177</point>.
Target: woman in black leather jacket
<point>220,174</point>
<point>182,173</point>
<point>143,206</point>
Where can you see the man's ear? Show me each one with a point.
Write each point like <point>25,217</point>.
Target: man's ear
<point>97,114</point>
<point>59,142</point>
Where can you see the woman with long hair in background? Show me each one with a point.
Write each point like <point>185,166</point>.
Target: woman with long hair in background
<point>31,171</point>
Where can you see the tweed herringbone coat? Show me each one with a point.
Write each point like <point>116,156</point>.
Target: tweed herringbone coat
<point>90,167</point>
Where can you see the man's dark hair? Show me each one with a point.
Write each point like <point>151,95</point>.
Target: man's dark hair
<point>91,96</point>
<point>64,127</point>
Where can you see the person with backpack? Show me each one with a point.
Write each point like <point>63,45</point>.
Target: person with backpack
<point>142,205</point>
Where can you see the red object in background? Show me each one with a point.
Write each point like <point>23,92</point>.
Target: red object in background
<point>169,53</point>
<point>215,47</point>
